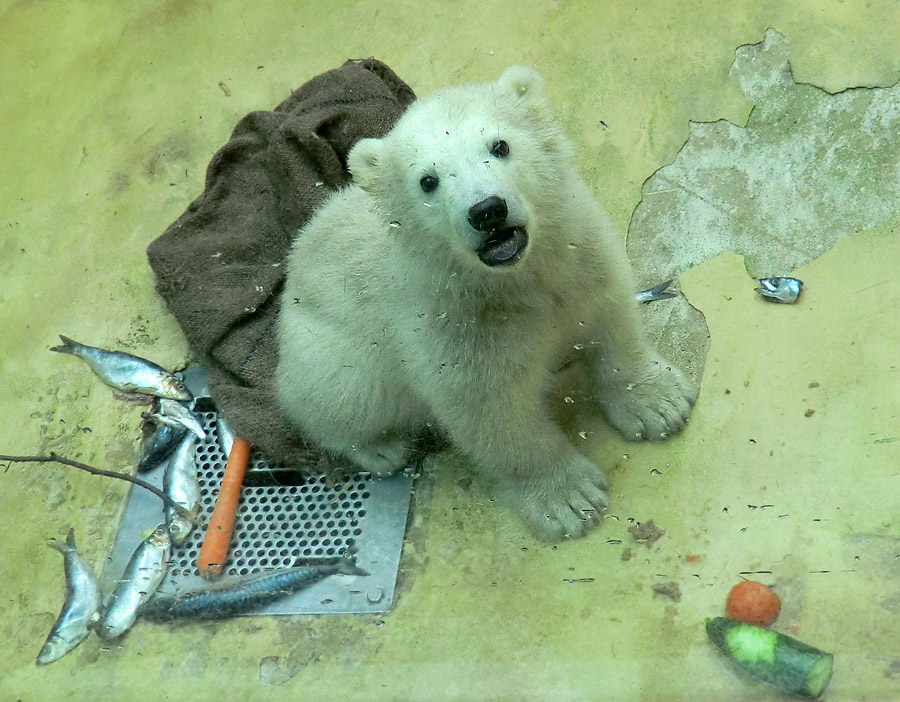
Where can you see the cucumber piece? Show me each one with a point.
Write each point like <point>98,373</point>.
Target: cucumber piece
<point>772,658</point>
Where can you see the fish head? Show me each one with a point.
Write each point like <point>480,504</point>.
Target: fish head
<point>54,649</point>
<point>780,289</point>
<point>179,530</point>
<point>160,536</point>
<point>767,285</point>
<point>175,389</point>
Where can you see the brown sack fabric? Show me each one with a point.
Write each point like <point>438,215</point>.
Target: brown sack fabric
<point>220,266</point>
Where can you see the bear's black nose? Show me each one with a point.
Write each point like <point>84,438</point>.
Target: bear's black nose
<point>488,214</point>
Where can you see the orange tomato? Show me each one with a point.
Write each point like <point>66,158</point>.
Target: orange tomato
<point>753,603</point>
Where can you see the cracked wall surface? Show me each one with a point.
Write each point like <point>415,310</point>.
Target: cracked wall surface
<point>808,168</point>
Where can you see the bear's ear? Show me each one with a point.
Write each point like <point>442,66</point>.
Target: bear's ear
<point>364,162</point>
<point>524,83</point>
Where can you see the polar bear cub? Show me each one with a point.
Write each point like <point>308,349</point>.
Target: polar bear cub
<point>465,264</point>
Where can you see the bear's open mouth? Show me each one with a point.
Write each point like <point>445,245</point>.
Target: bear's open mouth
<point>503,247</point>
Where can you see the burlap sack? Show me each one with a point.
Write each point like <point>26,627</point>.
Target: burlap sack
<point>220,266</point>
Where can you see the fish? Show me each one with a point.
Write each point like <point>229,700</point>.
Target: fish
<point>224,434</point>
<point>246,593</point>
<point>81,607</point>
<point>780,289</point>
<point>181,484</point>
<point>159,445</point>
<point>657,292</point>
<point>143,574</point>
<point>126,372</point>
<point>172,412</point>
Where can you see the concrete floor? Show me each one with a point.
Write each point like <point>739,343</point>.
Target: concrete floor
<point>789,466</point>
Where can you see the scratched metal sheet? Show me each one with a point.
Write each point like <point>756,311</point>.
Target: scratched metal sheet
<point>282,516</point>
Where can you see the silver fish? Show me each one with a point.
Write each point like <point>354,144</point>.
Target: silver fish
<point>126,372</point>
<point>173,411</point>
<point>181,484</point>
<point>246,593</point>
<point>657,292</point>
<point>159,445</point>
<point>81,606</point>
<point>780,289</point>
<point>225,435</point>
<point>143,574</point>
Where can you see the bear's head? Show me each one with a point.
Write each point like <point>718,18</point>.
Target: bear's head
<point>465,171</point>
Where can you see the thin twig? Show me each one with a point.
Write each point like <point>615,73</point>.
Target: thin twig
<point>56,458</point>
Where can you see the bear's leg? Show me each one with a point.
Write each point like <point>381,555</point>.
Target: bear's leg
<point>342,400</point>
<point>502,426</point>
<point>371,446</point>
<point>641,394</point>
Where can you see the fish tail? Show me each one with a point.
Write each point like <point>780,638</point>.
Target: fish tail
<point>58,545</point>
<point>67,545</point>
<point>347,566</point>
<point>69,346</point>
<point>658,292</point>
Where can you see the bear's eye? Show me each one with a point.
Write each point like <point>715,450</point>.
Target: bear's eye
<point>500,149</point>
<point>429,183</point>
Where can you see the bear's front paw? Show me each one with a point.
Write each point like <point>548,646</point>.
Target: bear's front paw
<point>567,504</point>
<point>650,402</point>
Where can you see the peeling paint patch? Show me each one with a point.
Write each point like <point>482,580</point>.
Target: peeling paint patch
<point>808,168</point>
<point>272,673</point>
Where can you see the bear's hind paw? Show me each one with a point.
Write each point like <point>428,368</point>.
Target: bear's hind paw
<point>384,458</point>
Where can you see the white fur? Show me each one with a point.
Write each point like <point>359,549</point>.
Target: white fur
<point>390,320</point>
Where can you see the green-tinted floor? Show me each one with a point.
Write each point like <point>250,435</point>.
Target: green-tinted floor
<point>790,467</point>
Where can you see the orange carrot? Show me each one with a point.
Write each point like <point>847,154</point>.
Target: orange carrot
<point>218,534</point>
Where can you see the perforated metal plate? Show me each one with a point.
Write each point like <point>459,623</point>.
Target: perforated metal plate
<point>282,516</point>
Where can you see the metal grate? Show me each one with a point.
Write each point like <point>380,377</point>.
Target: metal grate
<point>275,525</point>
<point>283,516</point>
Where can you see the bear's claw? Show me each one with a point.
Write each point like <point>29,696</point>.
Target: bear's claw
<point>569,507</point>
<point>653,404</point>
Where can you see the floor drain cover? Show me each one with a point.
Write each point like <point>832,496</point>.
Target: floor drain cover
<point>282,516</point>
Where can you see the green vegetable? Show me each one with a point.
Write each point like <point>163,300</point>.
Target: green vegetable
<point>772,658</point>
